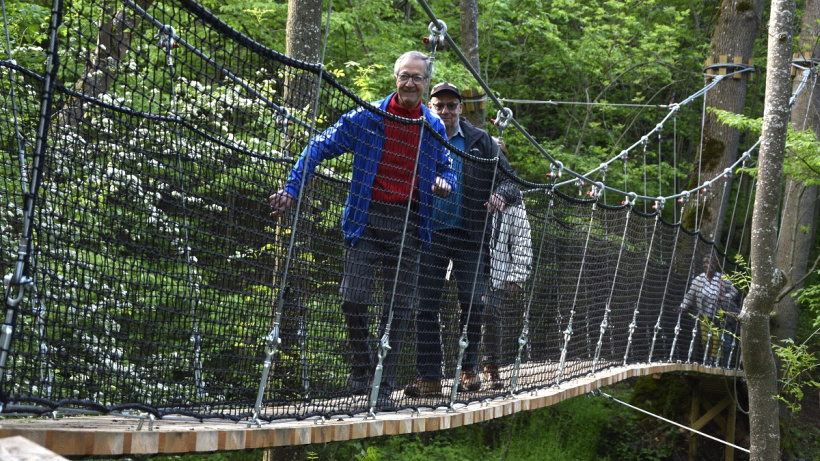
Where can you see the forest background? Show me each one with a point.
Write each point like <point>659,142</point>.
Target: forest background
<point>601,73</point>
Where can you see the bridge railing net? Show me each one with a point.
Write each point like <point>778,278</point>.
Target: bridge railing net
<point>157,275</point>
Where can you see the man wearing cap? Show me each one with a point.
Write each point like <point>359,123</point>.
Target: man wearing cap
<point>458,223</point>
<point>396,167</point>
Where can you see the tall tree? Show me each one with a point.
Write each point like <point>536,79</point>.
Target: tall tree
<point>799,223</point>
<point>469,45</point>
<point>304,40</point>
<point>767,279</point>
<point>734,36</point>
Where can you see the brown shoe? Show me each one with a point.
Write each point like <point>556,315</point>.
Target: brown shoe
<point>491,374</point>
<point>422,387</point>
<point>469,381</point>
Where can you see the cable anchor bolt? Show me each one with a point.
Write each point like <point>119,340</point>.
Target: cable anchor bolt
<point>437,32</point>
<point>167,37</point>
<point>502,119</point>
<point>597,190</point>
<point>283,118</point>
<point>555,170</point>
<point>659,204</point>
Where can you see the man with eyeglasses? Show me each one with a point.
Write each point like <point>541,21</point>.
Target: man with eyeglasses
<point>459,222</point>
<point>396,167</point>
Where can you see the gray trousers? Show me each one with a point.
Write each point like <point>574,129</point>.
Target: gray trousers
<point>388,244</point>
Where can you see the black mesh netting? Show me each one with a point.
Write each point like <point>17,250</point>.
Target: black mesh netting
<point>146,273</point>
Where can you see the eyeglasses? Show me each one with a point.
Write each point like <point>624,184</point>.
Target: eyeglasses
<point>449,105</point>
<point>417,79</point>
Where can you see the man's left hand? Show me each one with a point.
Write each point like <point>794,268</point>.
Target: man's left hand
<point>513,288</point>
<point>496,203</point>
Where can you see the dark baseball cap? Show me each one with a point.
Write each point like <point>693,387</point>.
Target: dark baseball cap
<point>444,86</point>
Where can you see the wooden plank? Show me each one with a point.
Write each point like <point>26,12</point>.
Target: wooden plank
<point>711,414</point>
<point>143,443</point>
<point>737,60</point>
<point>115,435</point>
<point>19,448</point>
<point>717,418</point>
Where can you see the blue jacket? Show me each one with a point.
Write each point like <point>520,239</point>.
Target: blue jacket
<point>361,132</point>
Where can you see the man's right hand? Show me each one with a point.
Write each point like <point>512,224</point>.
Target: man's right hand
<point>280,202</point>
<point>441,188</point>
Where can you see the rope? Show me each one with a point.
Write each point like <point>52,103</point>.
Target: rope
<point>19,279</point>
<point>13,93</point>
<point>578,177</point>
<point>464,340</point>
<point>604,394</point>
<point>700,159</point>
<point>557,103</point>
<point>166,35</point>
<point>608,307</point>
<point>273,339</point>
<point>634,324</point>
<point>675,166</point>
<point>237,80</point>
<point>734,212</point>
<point>657,328</point>
<point>680,311</point>
<point>568,332</point>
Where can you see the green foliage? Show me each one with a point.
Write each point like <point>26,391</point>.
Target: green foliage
<point>741,278</point>
<point>577,429</point>
<point>798,362</point>
<point>809,296</point>
<point>802,161</point>
<point>368,80</point>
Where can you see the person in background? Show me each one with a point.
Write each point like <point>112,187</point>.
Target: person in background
<point>709,293</point>
<point>393,167</point>
<point>458,226</point>
<point>510,258</point>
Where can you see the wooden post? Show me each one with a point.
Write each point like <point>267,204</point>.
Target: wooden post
<point>694,415</point>
<point>730,428</point>
<point>470,96</point>
<point>737,60</point>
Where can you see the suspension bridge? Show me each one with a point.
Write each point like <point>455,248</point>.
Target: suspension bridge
<point>147,284</point>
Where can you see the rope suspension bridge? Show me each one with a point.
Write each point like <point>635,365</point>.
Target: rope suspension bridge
<point>146,281</point>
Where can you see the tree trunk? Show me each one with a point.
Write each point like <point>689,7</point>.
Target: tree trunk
<point>113,41</point>
<point>799,221</point>
<point>304,40</point>
<point>734,36</point>
<point>469,46</point>
<point>767,279</point>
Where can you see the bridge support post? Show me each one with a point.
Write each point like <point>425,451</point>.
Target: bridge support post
<point>712,414</point>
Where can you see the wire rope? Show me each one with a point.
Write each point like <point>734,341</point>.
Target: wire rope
<point>604,394</point>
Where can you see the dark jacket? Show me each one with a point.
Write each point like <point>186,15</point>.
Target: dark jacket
<point>477,179</point>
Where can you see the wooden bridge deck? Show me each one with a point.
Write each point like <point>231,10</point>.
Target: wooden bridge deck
<point>123,435</point>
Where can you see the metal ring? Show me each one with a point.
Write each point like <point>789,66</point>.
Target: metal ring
<point>440,30</point>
